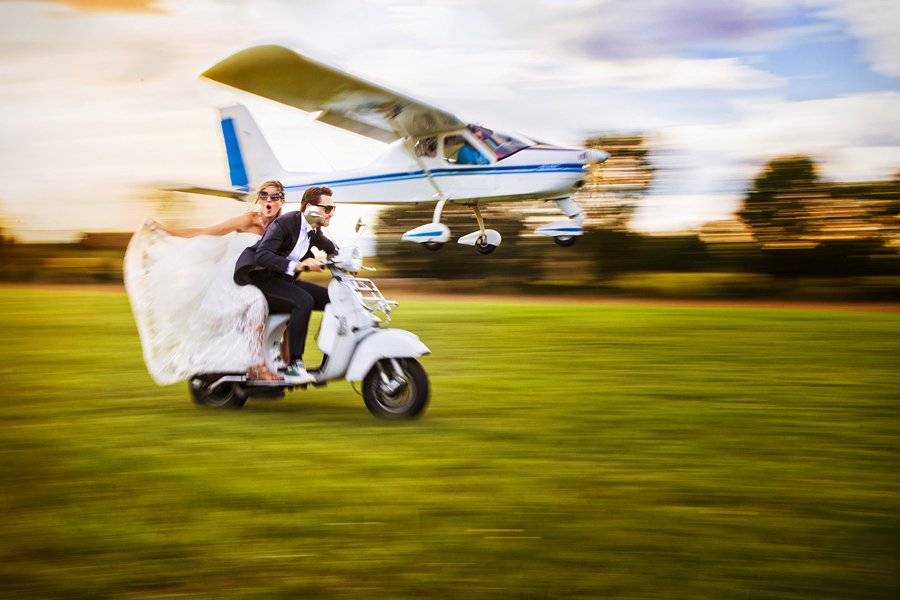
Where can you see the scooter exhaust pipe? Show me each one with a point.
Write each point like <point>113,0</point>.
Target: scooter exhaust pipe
<point>226,379</point>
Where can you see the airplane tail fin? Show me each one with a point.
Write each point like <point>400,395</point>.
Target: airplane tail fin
<point>250,158</point>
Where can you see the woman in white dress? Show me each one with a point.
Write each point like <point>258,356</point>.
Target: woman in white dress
<point>191,316</point>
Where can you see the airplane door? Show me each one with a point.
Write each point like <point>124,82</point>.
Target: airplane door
<point>463,167</point>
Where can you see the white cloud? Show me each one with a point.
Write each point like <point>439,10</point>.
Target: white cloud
<point>668,73</point>
<point>709,167</point>
<point>663,27</point>
<point>876,23</point>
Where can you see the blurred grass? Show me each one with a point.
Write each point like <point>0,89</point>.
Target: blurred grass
<point>569,451</point>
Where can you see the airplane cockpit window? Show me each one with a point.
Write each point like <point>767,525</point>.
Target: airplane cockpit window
<point>459,151</point>
<point>426,147</point>
<point>500,143</point>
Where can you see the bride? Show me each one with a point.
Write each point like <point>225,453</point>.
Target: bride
<point>191,316</point>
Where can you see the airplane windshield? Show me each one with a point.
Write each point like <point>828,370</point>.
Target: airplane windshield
<point>501,144</point>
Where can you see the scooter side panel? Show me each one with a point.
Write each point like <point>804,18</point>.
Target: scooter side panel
<point>329,330</point>
<point>385,343</point>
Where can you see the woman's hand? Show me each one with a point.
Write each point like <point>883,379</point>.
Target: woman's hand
<point>155,226</point>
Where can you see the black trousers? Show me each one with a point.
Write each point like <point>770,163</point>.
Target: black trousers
<point>299,298</point>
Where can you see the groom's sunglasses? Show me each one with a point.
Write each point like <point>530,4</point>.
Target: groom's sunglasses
<point>326,209</point>
<point>275,196</point>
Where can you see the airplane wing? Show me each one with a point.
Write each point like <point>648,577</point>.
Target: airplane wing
<point>345,101</point>
<point>207,191</point>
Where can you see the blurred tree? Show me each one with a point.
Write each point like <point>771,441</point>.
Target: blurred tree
<point>610,196</point>
<point>808,226</point>
<point>614,188</point>
<point>5,235</point>
<point>775,207</point>
<point>7,242</point>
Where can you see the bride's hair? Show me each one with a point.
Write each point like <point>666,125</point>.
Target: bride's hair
<point>275,184</point>
<point>272,183</point>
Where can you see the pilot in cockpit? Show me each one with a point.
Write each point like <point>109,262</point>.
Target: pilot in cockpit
<point>467,154</point>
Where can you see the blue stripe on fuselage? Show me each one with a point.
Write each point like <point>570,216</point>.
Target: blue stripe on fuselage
<point>451,172</point>
<point>236,168</point>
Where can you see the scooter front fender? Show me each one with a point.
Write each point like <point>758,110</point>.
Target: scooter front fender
<point>384,343</point>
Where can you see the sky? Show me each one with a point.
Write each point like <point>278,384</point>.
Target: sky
<point>101,99</point>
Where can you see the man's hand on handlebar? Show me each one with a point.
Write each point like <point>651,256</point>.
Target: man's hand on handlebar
<point>309,264</point>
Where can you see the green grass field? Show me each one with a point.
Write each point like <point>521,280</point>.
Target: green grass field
<point>569,451</point>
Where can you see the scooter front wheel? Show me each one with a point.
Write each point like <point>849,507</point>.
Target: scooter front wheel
<point>396,388</point>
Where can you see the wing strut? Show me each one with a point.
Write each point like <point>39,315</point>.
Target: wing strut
<point>410,148</point>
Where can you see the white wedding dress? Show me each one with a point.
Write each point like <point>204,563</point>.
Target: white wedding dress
<point>191,316</point>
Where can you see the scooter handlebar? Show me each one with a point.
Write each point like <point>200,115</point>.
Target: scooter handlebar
<point>351,266</point>
<point>351,263</point>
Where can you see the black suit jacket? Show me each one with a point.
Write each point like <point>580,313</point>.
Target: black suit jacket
<point>271,251</point>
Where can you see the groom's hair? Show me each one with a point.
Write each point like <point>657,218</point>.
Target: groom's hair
<point>312,195</point>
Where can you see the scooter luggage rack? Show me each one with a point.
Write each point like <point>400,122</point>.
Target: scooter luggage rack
<point>371,296</point>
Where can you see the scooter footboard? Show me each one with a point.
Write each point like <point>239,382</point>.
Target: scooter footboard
<point>385,343</point>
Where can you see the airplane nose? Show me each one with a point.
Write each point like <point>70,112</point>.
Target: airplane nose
<point>597,156</point>
<point>593,156</point>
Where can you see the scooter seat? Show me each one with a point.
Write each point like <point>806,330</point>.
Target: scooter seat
<point>276,319</point>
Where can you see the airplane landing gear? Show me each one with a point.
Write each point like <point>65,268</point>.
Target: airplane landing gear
<point>565,233</point>
<point>431,235</point>
<point>484,247</point>
<point>484,240</point>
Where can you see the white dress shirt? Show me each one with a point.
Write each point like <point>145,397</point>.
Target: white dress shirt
<point>300,248</point>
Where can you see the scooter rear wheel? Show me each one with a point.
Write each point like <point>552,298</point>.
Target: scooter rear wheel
<point>228,394</point>
<point>405,394</point>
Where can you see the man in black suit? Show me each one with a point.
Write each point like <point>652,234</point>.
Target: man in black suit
<point>273,263</point>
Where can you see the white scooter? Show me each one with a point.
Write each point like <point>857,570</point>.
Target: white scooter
<point>356,343</point>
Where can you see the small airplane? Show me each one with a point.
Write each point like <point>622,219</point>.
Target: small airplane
<point>432,156</point>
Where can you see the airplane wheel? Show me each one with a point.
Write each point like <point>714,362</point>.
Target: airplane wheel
<point>565,240</point>
<point>433,246</point>
<point>485,248</point>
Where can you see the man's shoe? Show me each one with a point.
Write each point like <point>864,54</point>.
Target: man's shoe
<point>297,373</point>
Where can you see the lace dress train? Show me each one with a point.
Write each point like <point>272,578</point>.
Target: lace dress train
<point>191,316</point>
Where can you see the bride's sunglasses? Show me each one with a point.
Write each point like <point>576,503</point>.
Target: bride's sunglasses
<point>274,196</point>
<point>327,209</point>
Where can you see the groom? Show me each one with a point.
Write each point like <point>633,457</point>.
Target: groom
<point>275,261</point>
